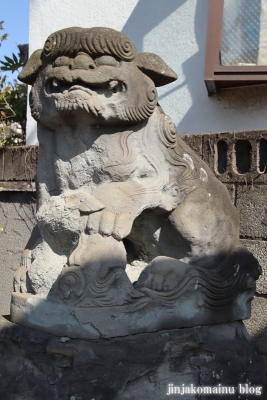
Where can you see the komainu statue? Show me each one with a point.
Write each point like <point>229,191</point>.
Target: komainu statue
<point>119,191</point>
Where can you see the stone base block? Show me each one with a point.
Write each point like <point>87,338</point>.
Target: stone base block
<point>257,327</point>
<point>36,365</point>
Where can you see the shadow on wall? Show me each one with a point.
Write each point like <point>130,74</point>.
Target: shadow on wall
<point>235,109</point>
<point>228,110</point>
<point>146,16</point>
<point>150,13</point>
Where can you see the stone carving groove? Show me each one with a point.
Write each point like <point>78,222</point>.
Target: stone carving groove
<point>112,170</point>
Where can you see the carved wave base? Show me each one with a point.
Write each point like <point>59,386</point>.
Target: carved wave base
<point>51,314</point>
<point>37,365</point>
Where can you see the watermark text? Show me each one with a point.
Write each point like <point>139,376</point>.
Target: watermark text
<point>242,389</point>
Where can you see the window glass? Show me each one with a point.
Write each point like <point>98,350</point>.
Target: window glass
<point>244,32</point>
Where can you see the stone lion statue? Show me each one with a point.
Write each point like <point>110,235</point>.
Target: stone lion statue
<point>115,183</point>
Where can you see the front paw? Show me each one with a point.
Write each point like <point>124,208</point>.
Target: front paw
<point>163,274</point>
<point>83,201</point>
<point>103,219</point>
<point>108,223</point>
<point>121,207</point>
<point>26,258</point>
<point>21,280</point>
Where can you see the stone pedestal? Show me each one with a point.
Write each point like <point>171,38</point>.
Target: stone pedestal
<point>36,365</point>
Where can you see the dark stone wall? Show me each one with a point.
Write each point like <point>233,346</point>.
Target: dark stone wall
<point>35,365</point>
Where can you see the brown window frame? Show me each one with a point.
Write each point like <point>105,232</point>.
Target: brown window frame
<point>218,76</point>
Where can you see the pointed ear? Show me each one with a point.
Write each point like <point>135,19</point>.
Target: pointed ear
<point>30,71</point>
<point>155,68</point>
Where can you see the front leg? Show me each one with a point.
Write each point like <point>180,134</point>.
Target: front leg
<point>124,201</point>
<point>21,281</point>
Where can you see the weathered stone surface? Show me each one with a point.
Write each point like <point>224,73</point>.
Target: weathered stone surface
<point>259,249</point>
<point>232,191</point>
<point>252,206</point>
<point>18,186</point>
<point>257,326</point>
<point>112,169</point>
<point>40,366</point>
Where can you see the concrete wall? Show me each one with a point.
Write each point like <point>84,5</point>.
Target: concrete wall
<point>17,208</point>
<point>17,219</point>
<point>174,29</point>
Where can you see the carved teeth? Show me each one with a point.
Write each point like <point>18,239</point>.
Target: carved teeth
<point>80,103</point>
<point>85,105</point>
<point>93,109</point>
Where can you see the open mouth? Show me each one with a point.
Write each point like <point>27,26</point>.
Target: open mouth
<point>78,95</point>
<point>55,86</point>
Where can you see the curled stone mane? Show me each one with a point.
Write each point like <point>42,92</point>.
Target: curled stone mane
<point>144,109</point>
<point>94,41</point>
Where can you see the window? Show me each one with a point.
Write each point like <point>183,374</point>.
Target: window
<point>236,53</point>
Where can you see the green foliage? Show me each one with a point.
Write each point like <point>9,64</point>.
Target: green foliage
<point>5,35</point>
<point>13,102</point>
<point>11,64</point>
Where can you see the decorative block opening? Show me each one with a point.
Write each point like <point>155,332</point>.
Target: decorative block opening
<point>222,156</point>
<point>263,156</point>
<point>243,150</point>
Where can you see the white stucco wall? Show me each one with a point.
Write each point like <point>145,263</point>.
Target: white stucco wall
<point>175,30</point>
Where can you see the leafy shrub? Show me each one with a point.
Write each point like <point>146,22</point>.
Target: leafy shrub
<point>13,102</point>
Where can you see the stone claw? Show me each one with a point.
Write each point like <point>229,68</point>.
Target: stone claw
<point>107,223</point>
<point>26,258</point>
<point>20,280</point>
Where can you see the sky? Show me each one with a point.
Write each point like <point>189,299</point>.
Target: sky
<point>15,14</point>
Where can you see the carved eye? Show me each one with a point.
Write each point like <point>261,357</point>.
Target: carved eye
<point>107,60</point>
<point>61,61</point>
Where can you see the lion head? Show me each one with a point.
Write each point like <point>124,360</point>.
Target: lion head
<point>93,75</point>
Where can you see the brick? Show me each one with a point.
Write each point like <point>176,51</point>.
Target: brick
<point>234,159</point>
<point>252,206</point>
<point>231,174</point>
<point>259,249</point>
<point>193,141</point>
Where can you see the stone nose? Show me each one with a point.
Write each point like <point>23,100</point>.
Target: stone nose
<point>82,61</point>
